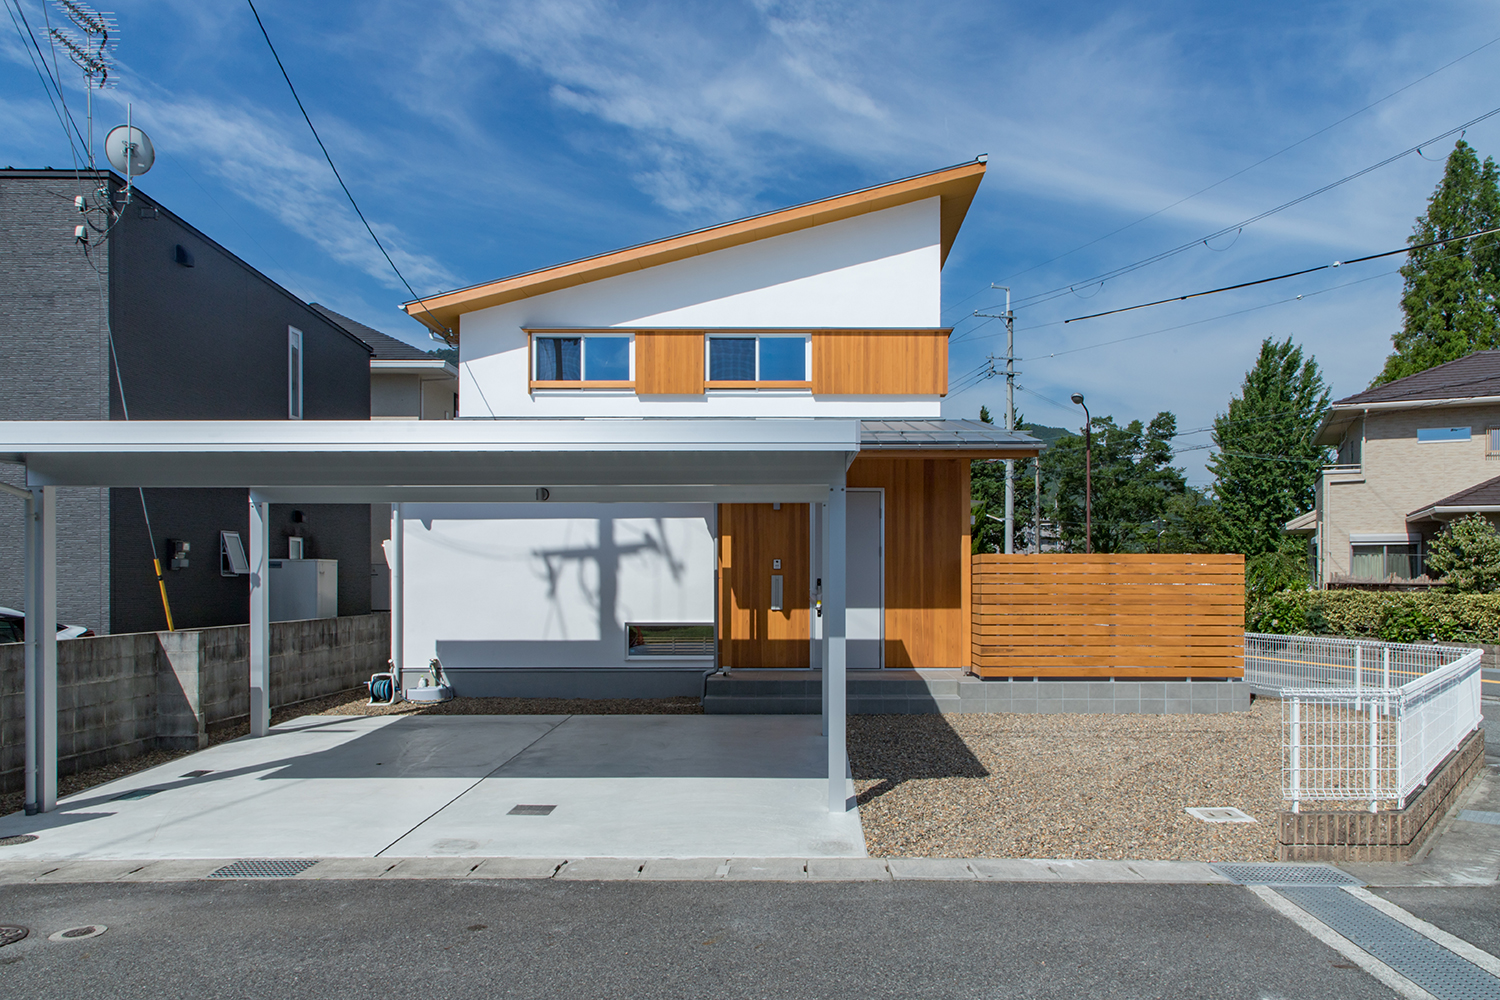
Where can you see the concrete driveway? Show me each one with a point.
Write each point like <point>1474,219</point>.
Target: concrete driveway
<point>446,786</point>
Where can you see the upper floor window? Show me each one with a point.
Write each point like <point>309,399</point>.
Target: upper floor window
<point>780,359</point>
<point>1492,441</point>
<point>293,373</point>
<point>1425,434</point>
<point>581,359</point>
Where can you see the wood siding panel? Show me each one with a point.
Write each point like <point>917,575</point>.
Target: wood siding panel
<point>669,362</point>
<point>751,535</point>
<point>880,362</point>
<point>1137,616</point>
<point>926,558</point>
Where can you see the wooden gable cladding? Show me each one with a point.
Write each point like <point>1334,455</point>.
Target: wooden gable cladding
<point>669,362</point>
<point>926,557</point>
<point>751,537</point>
<point>1138,615</point>
<point>880,362</point>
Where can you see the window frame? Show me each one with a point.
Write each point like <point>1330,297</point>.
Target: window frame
<point>582,336</point>
<point>295,384</point>
<point>720,385</point>
<point>1492,442</point>
<point>1418,552</point>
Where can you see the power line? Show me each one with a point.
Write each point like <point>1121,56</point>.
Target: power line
<point>1257,163</point>
<point>1061,290</point>
<point>1292,274</point>
<point>448,334</point>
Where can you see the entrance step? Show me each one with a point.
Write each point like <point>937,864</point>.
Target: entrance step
<point>800,692</point>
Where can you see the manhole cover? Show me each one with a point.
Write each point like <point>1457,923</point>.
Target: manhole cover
<point>532,811</point>
<point>1253,873</point>
<point>139,793</point>
<point>20,838</point>
<point>264,868</point>
<point>78,933</point>
<point>1220,814</point>
<point>11,933</point>
<point>197,774</point>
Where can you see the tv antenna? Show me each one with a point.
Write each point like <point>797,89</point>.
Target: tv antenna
<point>90,43</point>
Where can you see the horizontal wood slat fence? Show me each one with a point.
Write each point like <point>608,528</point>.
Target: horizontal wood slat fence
<point>1167,617</point>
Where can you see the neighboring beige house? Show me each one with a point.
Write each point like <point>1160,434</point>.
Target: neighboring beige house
<point>406,383</point>
<point>1413,454</point>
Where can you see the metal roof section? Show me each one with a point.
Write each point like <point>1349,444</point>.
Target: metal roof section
<point>1482,498</point>
<point>946,436</point>
<point>955,185</point>
<point>312,461</point>
<point>1302,524</point>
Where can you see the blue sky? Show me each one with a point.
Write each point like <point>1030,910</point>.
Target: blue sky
<point>485,139</point>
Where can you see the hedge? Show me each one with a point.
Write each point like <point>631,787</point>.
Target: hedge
<point>1393,616</point>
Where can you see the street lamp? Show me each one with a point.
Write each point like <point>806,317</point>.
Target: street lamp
<point>1088,476</point>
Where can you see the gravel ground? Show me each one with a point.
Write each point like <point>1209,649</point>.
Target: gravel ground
<point>1068,786</point>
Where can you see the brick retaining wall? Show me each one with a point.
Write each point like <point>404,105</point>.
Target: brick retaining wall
<point>120,696</point>
<point>1389,835</point>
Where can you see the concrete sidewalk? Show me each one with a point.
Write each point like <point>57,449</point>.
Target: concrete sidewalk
<point>446,786</point>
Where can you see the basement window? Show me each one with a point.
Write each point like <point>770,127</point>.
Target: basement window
<point>664,642</point>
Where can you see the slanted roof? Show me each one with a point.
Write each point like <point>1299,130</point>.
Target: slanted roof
<point>1473,375</point>
<point>1483,498</point>
<point>1302,524</point>
<point>386,347</point>
<point>945,438</point>
<point>1474,378</point>
<point>954,185</point>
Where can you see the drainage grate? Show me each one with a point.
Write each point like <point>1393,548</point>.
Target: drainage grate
<point>20,838</point>
<point>264,868</point>
<point>1254,873</point>
<point>11,933</point>
<point>197,774</point>
<point>1220,814</point>
<point>139,793</point>
<point>531,811</point>
<point>1425,962</point>
<point>1480,816</point>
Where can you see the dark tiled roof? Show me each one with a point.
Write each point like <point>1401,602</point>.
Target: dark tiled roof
<point>386,347</point>
<point>940,435</point>
<point>1486,494</point>
<point>1477,374</point>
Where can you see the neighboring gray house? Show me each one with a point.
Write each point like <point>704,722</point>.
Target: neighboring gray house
<point>199,335</point>
<point>406,383</point>
<point>1413,454</point>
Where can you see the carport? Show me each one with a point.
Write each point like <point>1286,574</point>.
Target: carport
<point>502,461</point>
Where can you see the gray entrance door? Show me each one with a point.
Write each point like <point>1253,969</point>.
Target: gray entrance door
<point>865,579</point>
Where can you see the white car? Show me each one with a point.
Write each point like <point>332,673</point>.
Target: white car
<point>13,627</point>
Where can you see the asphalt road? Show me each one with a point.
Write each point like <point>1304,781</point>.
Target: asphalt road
<point>587,940</point>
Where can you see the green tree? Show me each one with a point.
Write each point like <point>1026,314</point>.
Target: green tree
<point>1467,554</point>
<point>1267,464</point>
<point>1449,295</point>
<point>1133,483</point>
<point>987,497</point>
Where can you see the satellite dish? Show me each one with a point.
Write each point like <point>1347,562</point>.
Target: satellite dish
<point>129,150</point>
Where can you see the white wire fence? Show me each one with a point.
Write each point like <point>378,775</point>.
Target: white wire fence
<point>1364,722</point>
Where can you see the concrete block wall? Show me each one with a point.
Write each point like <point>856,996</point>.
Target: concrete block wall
<point>120,696</point>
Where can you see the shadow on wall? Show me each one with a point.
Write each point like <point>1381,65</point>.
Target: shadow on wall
<point>891,749</point>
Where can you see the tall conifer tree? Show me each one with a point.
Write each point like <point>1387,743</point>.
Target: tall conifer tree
<point>1267,464</point>
<point>1450,294</point>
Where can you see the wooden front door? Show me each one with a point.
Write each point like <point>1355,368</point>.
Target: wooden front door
<point>753,633</point>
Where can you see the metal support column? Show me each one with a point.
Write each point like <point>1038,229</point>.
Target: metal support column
<point>835,689</point>
<point>398,589</point>
<point>41,650</point>
<point>260,617</point>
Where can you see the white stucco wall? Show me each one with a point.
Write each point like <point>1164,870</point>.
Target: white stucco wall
<point>547,585</point>
<point>873,271</point>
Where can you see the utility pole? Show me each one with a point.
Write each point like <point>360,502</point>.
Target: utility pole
<point>1010,415</point>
